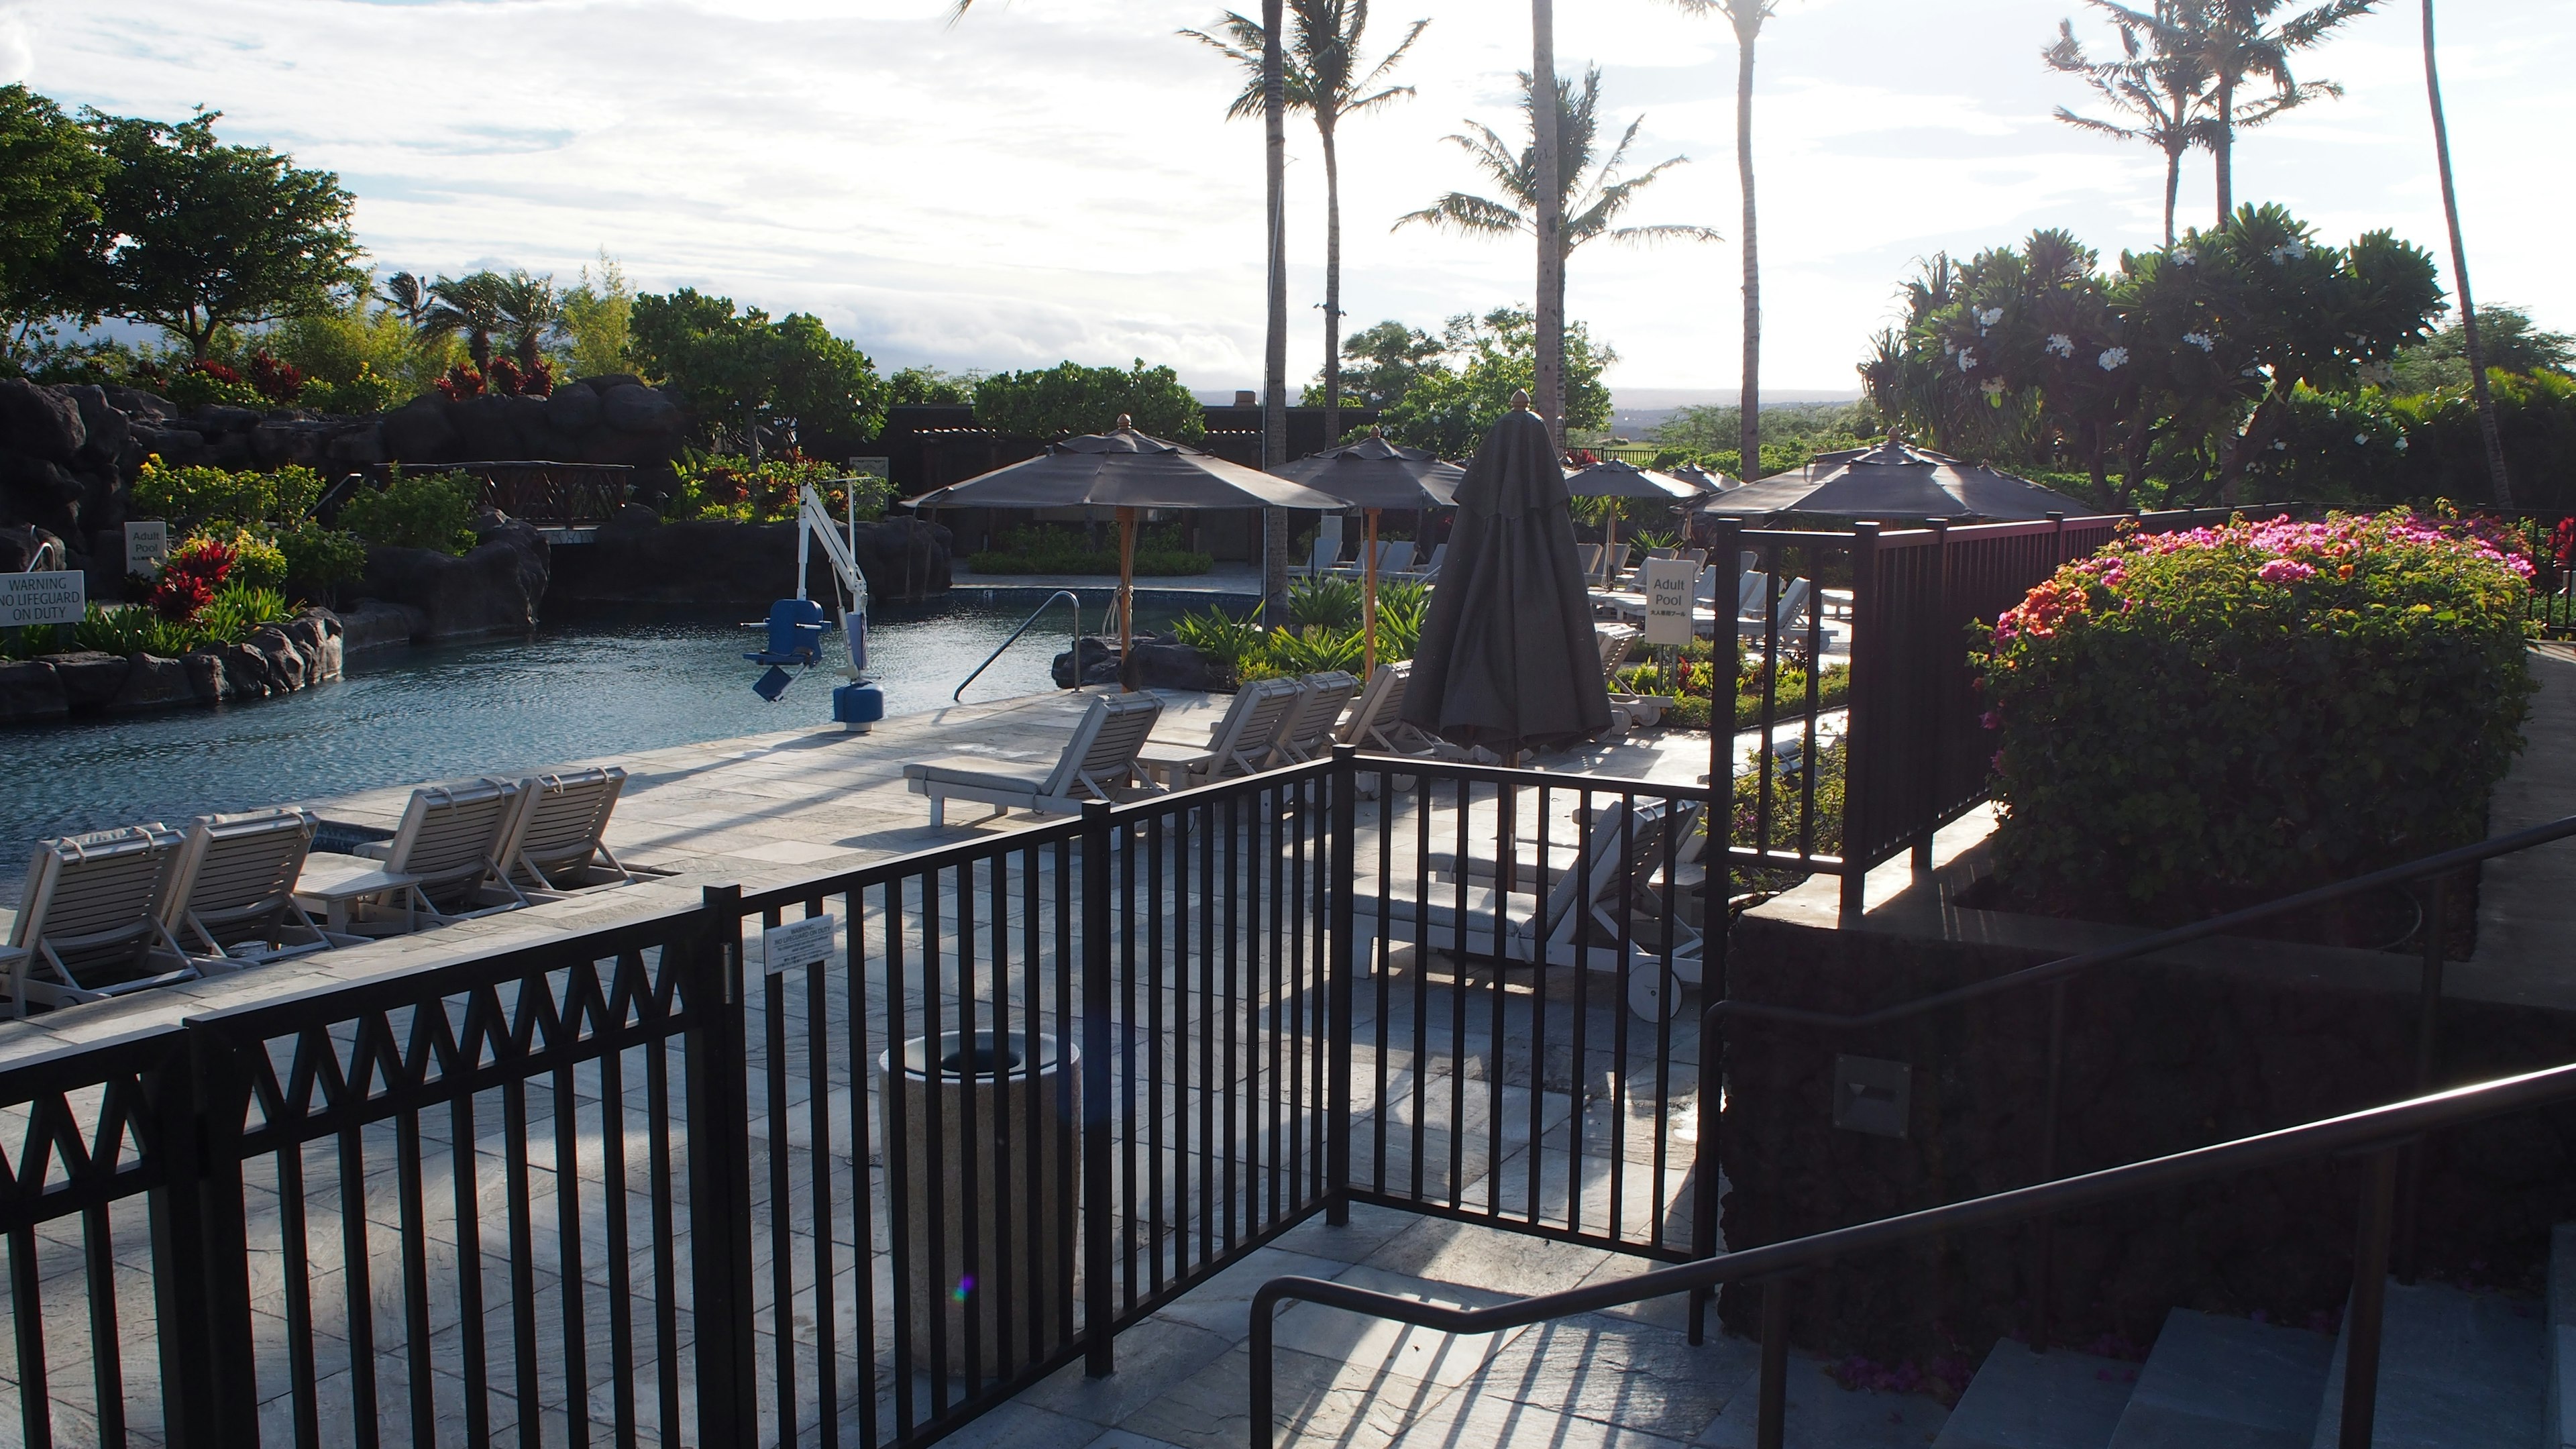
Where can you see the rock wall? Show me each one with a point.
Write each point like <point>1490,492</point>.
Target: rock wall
<point>276,659</point>
<point>497,588</point>
<point>638,560</point>
<point>2159,1058</point>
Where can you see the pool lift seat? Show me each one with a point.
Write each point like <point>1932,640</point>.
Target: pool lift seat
<point>793,632</point>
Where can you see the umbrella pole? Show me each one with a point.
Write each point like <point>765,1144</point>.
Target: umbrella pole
<point>1368,605</point>
<point>1126,583</point>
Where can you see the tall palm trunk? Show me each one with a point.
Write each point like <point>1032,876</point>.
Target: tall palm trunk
<point>2478,392</point>
<point>2173,188</point>
<point>1748,459</point>
<point>2222,146</point>
<point>1549,368</point>
<point>1274,363</point>
<point>1332,284</point>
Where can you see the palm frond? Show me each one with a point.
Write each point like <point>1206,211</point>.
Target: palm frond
<point>1461,212</point>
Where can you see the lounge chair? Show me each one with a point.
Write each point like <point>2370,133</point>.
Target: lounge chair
<point>1099,763</point>
<point>231,899</point>
<point>556,841</point>
<point>1430,567</point>
<point>1376,724</point>
<point>1319,559</point>
<point>90,925</point>
<point>1785,615</point>
<point>1627,710</point>
<point>1307,732</point>
<point>443,862</point>
<point>1241,744</point>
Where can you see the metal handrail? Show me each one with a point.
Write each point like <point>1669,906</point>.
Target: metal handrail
<point>1069,597</point>
<point>2387,1127</point>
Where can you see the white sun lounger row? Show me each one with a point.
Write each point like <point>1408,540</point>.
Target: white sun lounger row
<point>117,911</point>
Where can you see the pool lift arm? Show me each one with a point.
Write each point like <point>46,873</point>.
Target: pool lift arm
<point>796,626</point>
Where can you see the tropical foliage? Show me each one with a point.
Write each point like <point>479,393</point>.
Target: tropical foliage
<point>415,510</point>
<point>1451,403</point>
<point>742,372</point>
<point>1069,399</point>
<point>769,490</point>
<point>2190,722</point>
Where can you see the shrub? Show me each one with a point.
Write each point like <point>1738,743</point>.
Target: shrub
<point>235,610</point>
<point>743,491</point>
<point>1788,806</point>
<point>1224,640</point>
<point>191,498</point>
<point>279,383</point>
<point>2198,721</point>
<point>428,511</point>
<point>364,395</point>
<point>319,560</point>
<point>256,559</point>
<point>1330,602</point>
<point>189,578</point>
<point>212,384</point>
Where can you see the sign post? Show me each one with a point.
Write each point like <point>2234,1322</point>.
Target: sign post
<point>46,598</point>
<point>146,545</point>
<point>1671,587</point>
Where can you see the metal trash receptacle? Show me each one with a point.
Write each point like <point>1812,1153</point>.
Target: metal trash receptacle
<point>986,1194</point>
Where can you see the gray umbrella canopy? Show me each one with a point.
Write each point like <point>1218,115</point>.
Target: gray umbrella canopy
<point>1374,473</point>
<point>1893,480</point>
<point>1123,468</point>
<point>1507,654</point>
<point>1704,480</point>
<point>1619,478</point>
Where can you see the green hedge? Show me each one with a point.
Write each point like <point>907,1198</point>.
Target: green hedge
<point>2193,722</point>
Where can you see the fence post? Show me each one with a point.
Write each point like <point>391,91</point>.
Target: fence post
<point>1867,653</point>
<point>719,1138</point>
<point>201,1246</point>
<point>1099,1216</point>
<point>1932,726</point>
<point>2057,533</point>
<point>1721,687</point>
<point>1345,779</point>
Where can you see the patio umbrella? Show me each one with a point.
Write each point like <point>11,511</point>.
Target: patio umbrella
<point>1507,653</point>
<point>1375,474</point>
<point>1894,480</point>
<point>1704,480</point>
<point>1126,470</point>
<point>1619,478</point>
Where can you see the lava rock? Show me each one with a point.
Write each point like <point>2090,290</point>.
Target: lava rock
<point>484,430</point>
<point>635,408</point>
<point>246,672</point>
<point>494,589</point>
<point>377,624</point>
<point>43,477</point>
<point>316,634</point>
<point>152,682</point>
<point>361,446</point>
<point>574,408</point>
<point>419,432</point>
<point>19,547</point>
<point>31,690</point>
<point>41,422</point>
<point>1153,663</point>
<point>602,382</point>
<point>632,518</point>
<point>107,428</point>
<point>177,447</point>
<point>218,418</point>
<point>206,678</point>
<point>707,561</point>
<point>285,669</point>
<point>90,679</point>
<point>135,403</point>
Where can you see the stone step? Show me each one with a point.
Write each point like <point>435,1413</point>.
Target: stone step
<point>2457,1370</point>
<point>2025,1400</point>
<point>2226,1383</point>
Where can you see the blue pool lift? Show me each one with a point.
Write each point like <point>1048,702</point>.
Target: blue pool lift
<point>793,633</point>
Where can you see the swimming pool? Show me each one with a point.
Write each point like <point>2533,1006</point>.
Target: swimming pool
<point>590,684</point>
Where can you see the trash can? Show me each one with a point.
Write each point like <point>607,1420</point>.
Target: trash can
<point>1024,1171</point>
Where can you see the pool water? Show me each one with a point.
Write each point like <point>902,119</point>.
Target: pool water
<point>581,687</point>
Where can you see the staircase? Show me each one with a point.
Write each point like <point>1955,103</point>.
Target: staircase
<point>2458,1370</point>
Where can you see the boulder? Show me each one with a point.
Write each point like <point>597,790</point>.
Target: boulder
<point>218,419</point>
<point>485,430</point>
<point>361,446</point>
<point>108,429</point>
<point>1153,663</point>
<point>276,444</point>
<point>602,382</point>
<point>152,682</point>
<point>19,547</point>
<point>376,624</point>
<point>574,409</point>
<point>418,432</point>
<point>632,518</point>
<point>41,422</point>
<point>137,404</point>
<point>31,690</point>
<point>285,669</point>
<point>245,671</point>
<point>178,447</point>
<point>635,408</point>
<point>90,679</point>
<point>494,589</point>
<point>904,558</point>
<point>205,671</point>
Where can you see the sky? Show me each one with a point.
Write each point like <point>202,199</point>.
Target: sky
<point>1047,179</point>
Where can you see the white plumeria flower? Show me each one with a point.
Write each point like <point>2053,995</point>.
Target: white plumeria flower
<point>2061,344</point>
<point>2201,340</point>
<point>2288,252</point>
<point>2401,442</point>
<point>2113,358</point>
<point>1948,347</point>
<point>2186,258</point>
<point>1967,359</point>
<point>1992,387</point>
<point>1988,318</point>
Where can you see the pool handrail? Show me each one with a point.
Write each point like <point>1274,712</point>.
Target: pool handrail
<point>1070,597</point>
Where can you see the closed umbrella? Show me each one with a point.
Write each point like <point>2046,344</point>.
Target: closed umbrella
<point>1507,652</point>
<point>1619,478</point>
<point>1895,480</point>
<point>1126,470</point>
<point>1375,474</point>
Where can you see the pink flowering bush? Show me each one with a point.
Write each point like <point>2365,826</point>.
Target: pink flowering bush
<point>2191,722</point>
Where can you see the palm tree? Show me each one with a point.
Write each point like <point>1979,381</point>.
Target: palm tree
<point>1746,16</point>
<point>2470,344</point>
<point>409,297</point>
<point>1324,78</point>
<point>2166,90</point>
<point>1591,192</point>
<point>1547,223</point>
<point>2238,41</point>
<point>471,304</point>
<point>1274,365</point>
<point>530,307</point>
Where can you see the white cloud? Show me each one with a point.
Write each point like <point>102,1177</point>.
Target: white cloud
<point>1054,177</point>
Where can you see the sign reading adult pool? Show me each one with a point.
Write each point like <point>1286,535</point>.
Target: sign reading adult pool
<point>47,598</point>
<point>798,943</point>
<point>146,545</point>
<point>1670,586</point>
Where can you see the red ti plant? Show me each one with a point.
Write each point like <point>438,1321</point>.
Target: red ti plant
<point>189,577</point>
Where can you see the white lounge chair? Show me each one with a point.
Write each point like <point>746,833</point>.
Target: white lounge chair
<point>1430,568</point>
<point>1376,723</point>
<point>443,862</point>
<point>1307,732</point>
<point>1099,763</point>
<point>1241,744</point>
<point>231,899</point>
<point>90,924</point>
<point>556,841</point>
<point>1319,559</point>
